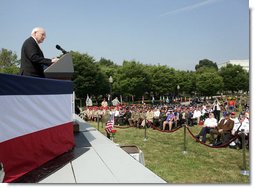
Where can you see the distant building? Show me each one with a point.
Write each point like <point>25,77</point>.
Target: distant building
<point>244,63</point>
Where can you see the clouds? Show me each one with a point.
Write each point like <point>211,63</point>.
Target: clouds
<point>189,8</point>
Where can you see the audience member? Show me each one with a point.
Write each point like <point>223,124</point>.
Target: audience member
<point>223,131</point>
<point>104,103</point>
<point>170,119</point>
<point>216,109</point>
<point>196,115</point>
<point>210,123</point>
<point>241,124</point>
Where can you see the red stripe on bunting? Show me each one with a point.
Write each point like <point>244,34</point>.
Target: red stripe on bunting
<point>25,153</point>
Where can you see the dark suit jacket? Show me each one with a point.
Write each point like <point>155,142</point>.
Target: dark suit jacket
<point>32,59</point>
<point>227,127</point>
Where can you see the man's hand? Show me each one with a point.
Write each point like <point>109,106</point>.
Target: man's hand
<point>54,60</point>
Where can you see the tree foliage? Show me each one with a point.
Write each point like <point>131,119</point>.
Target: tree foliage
<point>235,78</point>
<point>186,80</point>
<point>131,79</point>
<point>208,83</point>
<point>88,79</point>
<point>163,80</point>
<point>8,62</point>
<point>135,79</point>
<point>206,63</point>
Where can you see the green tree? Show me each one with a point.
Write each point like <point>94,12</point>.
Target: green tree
<point>108,68</point>
<point>88,79</point>
<point>106,62</point>
<point>131,79</point>
<point>8,62</point>
<point>235,78</point>
<point>208,83</point>
<point>186,80</point>
<point>206,63</point>
<point>162,80</point>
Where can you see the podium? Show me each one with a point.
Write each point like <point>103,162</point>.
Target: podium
<point>62,69</point>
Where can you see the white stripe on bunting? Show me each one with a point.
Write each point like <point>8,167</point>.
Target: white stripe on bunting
<point>32,113</point>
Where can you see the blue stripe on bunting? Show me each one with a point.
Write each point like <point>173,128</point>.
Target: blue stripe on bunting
<point>26,85</point>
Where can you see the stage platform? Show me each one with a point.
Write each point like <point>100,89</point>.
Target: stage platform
<point>95,159</point>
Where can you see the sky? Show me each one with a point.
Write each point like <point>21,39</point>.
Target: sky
<point>176,33</point>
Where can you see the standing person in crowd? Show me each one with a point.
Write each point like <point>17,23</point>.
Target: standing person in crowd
<point>32,58</point>
<point>231,104</point>
<point>216,109</point>
<point>104,103</point>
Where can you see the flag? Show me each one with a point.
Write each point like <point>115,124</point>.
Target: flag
<point>167,100</point>
<point>110,123</point>
<point>153,99</point>
<point>87,100</point>
<point>36,122</point>
<point>109,126</point>
<point>108,97</point>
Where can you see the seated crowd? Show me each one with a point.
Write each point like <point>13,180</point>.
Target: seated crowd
<point>164,117</point>
<point>169,117</point>
<point>227,128</point>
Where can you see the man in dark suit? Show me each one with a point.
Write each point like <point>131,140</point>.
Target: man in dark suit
<point>32,58</point>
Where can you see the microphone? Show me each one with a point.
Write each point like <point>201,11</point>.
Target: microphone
<point>59,48</point>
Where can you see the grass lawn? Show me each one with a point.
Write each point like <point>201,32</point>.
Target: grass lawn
<point>164,156</point>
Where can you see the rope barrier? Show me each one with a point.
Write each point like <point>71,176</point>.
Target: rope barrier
<point>219,146</point>
<point>193,136</point>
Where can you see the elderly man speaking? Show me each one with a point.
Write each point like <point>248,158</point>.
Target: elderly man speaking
<point>32,58</point>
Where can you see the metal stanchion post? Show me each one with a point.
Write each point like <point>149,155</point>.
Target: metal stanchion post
<point>145,139</point>
<point>98,128</point>
<point>244,172</point>
<point>184,140</point>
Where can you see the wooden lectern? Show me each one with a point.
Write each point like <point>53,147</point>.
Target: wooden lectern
<point>62,69</point>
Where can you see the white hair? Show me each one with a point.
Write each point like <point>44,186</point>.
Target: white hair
<point>36,29</point>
